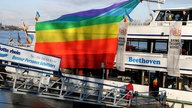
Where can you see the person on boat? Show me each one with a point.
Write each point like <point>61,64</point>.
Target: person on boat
<point>184,17</point>
<point>128,88</point>
<point>56,77</point>
<point>184,50</point>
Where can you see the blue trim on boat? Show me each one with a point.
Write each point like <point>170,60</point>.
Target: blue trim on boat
<point>146,35</point>
<point>155,35</point>
<point>146,66</point>
<point>157,67</point>
<point>3,55</point>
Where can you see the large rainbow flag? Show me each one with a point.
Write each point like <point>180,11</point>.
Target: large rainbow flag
<point>83,39</point>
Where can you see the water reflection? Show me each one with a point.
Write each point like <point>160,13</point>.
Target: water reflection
<point>12,100</point>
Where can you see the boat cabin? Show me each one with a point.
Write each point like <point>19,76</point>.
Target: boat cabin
<point>147,48</point>
<point>166,16</point>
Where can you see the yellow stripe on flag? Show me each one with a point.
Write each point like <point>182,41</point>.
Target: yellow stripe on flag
<point>101,31</point>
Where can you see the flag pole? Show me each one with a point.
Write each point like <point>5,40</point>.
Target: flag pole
<point>25,29</point>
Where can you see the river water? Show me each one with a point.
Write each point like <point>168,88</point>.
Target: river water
<point>4,37</point>
<point>13,100</point>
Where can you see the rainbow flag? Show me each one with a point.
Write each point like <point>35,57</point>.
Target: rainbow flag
<point>37,16</point>
<point>10,37</point>
<point>29,38</point>
<point>83,39</point>
<point>19,39</point>
<point>155,82</point>
<point>24,27</point>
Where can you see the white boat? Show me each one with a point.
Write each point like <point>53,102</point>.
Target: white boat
<point>147,55</point>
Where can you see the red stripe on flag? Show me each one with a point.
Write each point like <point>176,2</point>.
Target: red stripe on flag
<point>82,54</point>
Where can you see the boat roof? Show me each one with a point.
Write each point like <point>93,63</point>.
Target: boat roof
<point>174,9</point>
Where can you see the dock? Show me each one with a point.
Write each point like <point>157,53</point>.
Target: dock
<point>64,87</point>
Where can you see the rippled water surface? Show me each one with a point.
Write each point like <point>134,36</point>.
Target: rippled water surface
<point>12,100</point>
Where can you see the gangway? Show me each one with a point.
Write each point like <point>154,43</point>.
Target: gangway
<point>64,88</point>
<point>40,83</point>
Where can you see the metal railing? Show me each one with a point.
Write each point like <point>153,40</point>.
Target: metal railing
<point>149,99</point>
<point>41,83</point>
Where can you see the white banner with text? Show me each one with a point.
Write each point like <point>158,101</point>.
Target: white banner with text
<point>174,49</point>
<point>122,40</point>
<point>29,58</point>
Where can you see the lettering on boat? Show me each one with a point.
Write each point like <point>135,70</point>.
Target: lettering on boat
<point>144,61</point>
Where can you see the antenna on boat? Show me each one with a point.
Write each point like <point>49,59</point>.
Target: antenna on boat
<point>156,1</point>
<point>160,2</point>
<point>149,9</point>
<point>159,7</point>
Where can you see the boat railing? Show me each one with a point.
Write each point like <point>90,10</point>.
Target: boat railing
<point>168,23</point>
<point>149,98</point>
<point>189,23</point>
<point>136,23</point>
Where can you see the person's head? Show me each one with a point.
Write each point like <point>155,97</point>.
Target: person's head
<point>184,12</point>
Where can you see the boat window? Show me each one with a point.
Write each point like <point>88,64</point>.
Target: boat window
<point>171,15</point>
<point>186,47</point>
<point>178,82</point>
<point>190,15</point>
<point>160,46</point>
<point>137,45</point>
<point>171,82</point>
<point>147,45</point>
<point>156,46</point>
<point>160,16</point>
<point>127,76</point>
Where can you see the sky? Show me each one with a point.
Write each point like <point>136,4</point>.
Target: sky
<point>13,12</point>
